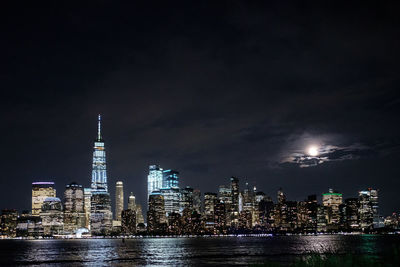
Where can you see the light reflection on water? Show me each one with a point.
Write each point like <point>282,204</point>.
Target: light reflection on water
<point>185,251</point>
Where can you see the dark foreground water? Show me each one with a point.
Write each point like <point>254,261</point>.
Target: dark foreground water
<point>197,251</point>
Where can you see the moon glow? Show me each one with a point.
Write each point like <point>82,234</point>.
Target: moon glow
<point>312,151</point>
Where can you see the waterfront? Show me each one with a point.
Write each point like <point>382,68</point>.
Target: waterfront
<point>189,251</point>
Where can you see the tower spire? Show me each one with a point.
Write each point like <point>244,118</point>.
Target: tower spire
<point>99,128</point>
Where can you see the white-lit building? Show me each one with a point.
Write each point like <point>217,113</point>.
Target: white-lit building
<point>119,200</point>
<point>154,179</point>
<point>172,198</point>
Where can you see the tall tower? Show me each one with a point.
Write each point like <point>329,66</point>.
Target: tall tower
<point>119,200</point>
<point>235,201</point>
<point>235,193</point>
<point>100,202</point>
<point>99,170</point>
<point>132,202</point>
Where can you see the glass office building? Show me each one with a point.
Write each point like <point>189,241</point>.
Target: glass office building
<point>99,170</point>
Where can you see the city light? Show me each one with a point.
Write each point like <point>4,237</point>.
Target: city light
<point>87,212</point>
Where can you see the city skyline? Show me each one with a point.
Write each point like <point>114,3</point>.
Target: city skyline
<point>173,210</point>
<point>200,133</point>
<point>238,89</point>
<point>158,177</point>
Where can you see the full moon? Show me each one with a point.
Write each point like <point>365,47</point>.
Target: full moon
<point>313,151</point>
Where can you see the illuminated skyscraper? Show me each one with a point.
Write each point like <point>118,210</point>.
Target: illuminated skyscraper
<point>135,207</point>
<point>131,202</point>
<point>312,210</point>
<point>374,204</point>
<point>220,217</point>
<point>266,212</point>
<point>281,212</point>
<point>139,214</point>
<point>235,201</point>
<point>100,214</point>
<point>321,218</point>
<point>197,200</point>
<point>170,179</point>
<point>332,200</point>
<point>186,201</point>
<point>172,198</point>
<point>249,204</point>
<point>154,179</point>
<point>74,208</point>
<point>52,216</point>
<point>368,209</point>
<point>87,192</point>
<point>351,214</point>
<point>119,200</point>
<point>41,191</point>
<point>210,200</point>
<point>100,210</point>
<point>225,196</point>
<point>99,170</point>
<point>128,221</point>
<point>156,220</point>
<point>8,222</point>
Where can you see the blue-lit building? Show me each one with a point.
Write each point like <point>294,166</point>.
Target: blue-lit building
<point>154,179</point>
<point>99,170</point>
<point>170,179</point>
<point>100,203</point>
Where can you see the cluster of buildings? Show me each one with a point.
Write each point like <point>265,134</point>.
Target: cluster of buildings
<point>81,211</point>
<point>233,211</point>
<point>172,210</point>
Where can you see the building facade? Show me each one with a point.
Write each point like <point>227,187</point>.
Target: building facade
<point>197,200</point>
<point>156,219</point>
<point>172,197</point>
<point>100,213</point>
<point>52,216</point>
<point>186,201</point>
<point>368,209</point>
<point>74,208</point>
<point>87,193</point>
<point>119,200</point>
<point>41,191</point>
<point>210,200</point>
<point>132,202</point>
<point>100,202</point>
<point>234,212</point>
<point>128,222</point>
<point>170,179</point>
<point>154,179</point>
<point>332,200</point>
<point>8,222</point>
<point>99,168</point>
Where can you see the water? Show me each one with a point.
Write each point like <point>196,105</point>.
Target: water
<point>186,251</point>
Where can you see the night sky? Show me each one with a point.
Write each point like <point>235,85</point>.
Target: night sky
<point>212,89</point>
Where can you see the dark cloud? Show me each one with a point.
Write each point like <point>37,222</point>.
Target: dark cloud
<point>328,153</point>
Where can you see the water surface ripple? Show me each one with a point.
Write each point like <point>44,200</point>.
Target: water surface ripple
<point>186,251</point>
